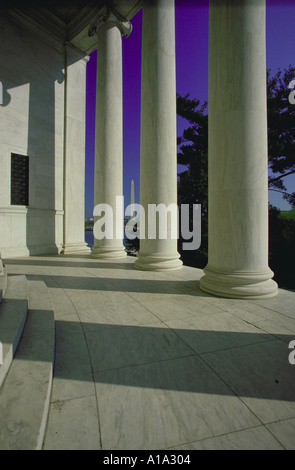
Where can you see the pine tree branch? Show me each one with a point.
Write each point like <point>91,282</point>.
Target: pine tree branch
<point>279,191</point>
<point>271,180</point>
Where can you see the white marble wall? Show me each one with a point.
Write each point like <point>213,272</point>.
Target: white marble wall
<point>32,123</point>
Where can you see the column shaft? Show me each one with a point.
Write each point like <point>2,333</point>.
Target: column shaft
<point>158,180</point>
<point>74,163</point>
<point>238,169</point>
<point>109,135</point>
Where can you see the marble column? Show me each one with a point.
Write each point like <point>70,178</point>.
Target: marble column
<point>74,152</point>
<point>1,267</point>
<point>238,168</point>
<point>158,177</point>
<point>109,129</point>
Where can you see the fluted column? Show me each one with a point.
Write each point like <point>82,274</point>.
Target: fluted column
<point>74,156</point>
<point>158,177</point>
<point>109,128</point>
<point>238,169</point>
<point>1,267</point>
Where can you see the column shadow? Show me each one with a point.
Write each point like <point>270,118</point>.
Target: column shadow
<point>159,358</point>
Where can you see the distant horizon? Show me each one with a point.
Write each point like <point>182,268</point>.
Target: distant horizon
<point>191,28</point>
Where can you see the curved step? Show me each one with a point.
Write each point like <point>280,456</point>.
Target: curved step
<point>25,395</point>
<point>13,314</point>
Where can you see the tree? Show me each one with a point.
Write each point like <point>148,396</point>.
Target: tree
<point>193,153</point>
<point>281,131</point>
<point>193,182</point>
<point>282,248</point>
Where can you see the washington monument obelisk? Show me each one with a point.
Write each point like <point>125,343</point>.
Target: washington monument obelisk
<point>132,211</point>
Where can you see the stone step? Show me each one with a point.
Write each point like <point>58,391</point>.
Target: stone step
<point>13,314</point>
<point>25,394</point>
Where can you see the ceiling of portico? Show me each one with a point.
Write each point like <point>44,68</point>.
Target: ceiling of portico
<point>68,20</point>
<point>68,10</point>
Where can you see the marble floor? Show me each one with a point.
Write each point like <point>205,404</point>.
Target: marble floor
<point>146,360</point>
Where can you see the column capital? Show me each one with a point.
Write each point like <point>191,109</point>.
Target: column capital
<point>108,16</point>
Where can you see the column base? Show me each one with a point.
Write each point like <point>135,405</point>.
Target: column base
<point>158,262</point>
<point>239,285</point>
<point>75,248</point>
<point>108,252</point>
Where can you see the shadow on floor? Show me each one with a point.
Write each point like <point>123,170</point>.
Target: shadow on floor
<point>112,284</point>
<point>63,263</point>
<point>194,361</point>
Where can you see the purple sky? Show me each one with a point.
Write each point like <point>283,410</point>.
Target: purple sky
<point>191,25</point>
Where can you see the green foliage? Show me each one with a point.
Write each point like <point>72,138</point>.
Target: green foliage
<point>193,182</point>
<point>288,214</point>
<point>282,248</point>
<point>281,130</point>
